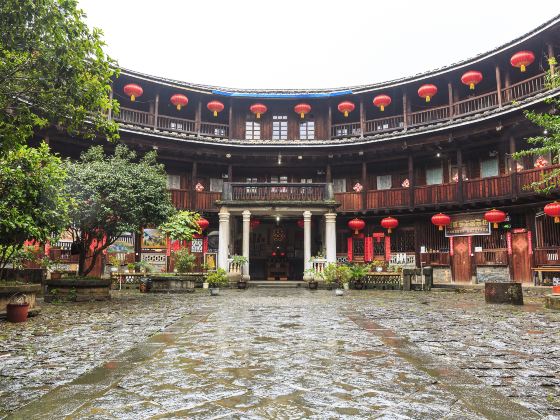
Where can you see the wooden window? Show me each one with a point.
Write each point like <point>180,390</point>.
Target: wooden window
<point>384,182</point>
<point>173,182</point>
<point>279,127</point>
<point>489,167</point>
<point>434,175</point>
<point>216,184</point>
<point>339,185</point>
<point>454,174</point>
<point>252,130</point>
<point>251,190</point>
<point>307,130</point>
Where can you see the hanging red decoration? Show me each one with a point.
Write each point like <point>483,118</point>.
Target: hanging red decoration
<point>258,109</point>
<point>389,223</point>
<point>427,91</point>
<point>522,59</point>
<point>495,216</point>
<point>215,107</point>
<point>553,210</point>
<point>203,223</point>
<point>471,78</point>
<point>301,223</point>
<point>133,90</point>
<point>381,101</point>
<point>254,223</point>
<point>356,225</point>
<point>441,220</point>
<point>346,107</point>
<point>302,109</point>
<point>179,101</point>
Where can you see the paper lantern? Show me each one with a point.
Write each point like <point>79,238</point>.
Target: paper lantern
<point>179,101</point>
<point>302,109</point>
<point>254,223</point>
<point>427,91</point>
<point>441,220</point>
<point>203,223</point>
<point>215,107</point>
<point>381,101</point>
<point>389,223</point>
<point>356,225</point>
<point>258,109</point>
<point>495,216</point>
<point>301,223</point>
<point>471,78</point>
<point>553,210</point>
<point>346,107</point>
<point>522,59</point>
<point>133,91</point>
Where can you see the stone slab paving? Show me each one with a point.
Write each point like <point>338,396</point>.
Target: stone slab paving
<point>286,354</point>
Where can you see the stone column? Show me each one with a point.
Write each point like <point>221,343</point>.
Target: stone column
<point>306,239</point>
<point>246,235</point>
<point>330,230</point>
<point>223,239</point>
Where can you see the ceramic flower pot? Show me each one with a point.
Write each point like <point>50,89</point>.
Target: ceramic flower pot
<point>214,291</point>
<point>339,292</point>
<point>17,312</point>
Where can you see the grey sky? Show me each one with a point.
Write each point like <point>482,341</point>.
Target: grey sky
<point>299,43</point>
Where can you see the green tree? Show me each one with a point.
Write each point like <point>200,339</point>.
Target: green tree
<point>182,226</point>
<point>53,71</point>
<point>33,205</point>
<point>114,194</point>
<point>548,142</point>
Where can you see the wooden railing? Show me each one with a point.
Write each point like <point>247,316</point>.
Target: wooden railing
<point>214,130</point>
<point>292,192</point>
<point>387,199</point>
<point>176,124</point>
<point>435,194</point>
<point>434,258</point>
<point>547,256</point>
<point>525,88</point>
<point>181,199</point>
<point>527,177</point>
<point>491,187</point>
<point>382,125</point>
<point>349,201</point>
<point>206,200</point>
<point>346,130</point>
<point>132,116</point>
<point>491,257</point>
<point>429,116</point>
<point>475,104</point>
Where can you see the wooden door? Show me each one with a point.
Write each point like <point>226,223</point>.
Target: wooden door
<point>461,259</point>
<point>520,261</point>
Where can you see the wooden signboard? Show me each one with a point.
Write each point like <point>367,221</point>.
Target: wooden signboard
<point>467,225</point>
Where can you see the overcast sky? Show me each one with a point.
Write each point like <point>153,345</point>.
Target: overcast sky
<point>305,44</point>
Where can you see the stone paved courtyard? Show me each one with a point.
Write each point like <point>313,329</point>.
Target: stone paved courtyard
<point>268,353</point>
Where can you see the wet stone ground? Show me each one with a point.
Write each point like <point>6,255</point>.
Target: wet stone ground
<point>268,353</point>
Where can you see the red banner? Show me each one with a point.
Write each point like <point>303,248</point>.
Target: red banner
<point>368,248</point>
<point>168,250</point>
<point>451,246</point>
<point>470,245</point>
<point>387,248</point>
<point>349,249</point>
<point>508,237</point>
<point>530,242</point>
<point>378,236</point>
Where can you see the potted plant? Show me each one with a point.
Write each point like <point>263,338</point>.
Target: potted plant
<point>236,266</point>
<point>184,260</point>
<point>131,267</point>
<point>343,274</point>
<point>205,271</point>
<point>17,308</point>
<point>311,276</point>
<point>114,262</point>
<point>357,275</point>
<point>378,265</point>
<point>217,279</point>
<point>55,268</point>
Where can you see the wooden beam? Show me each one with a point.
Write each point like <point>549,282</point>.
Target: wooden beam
<point>328,173</point>
<point>230,172</point>
<point>513,167</point>
<point>156,111</point>
<point>499,86</point>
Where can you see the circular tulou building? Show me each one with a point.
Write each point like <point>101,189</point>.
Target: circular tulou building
<point>295,178</point>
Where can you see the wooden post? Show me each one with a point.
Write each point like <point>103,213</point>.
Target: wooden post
<point>499,86</point>
<point>197,117</point>
<point>328,175</point>
<point>551,57</point>
<point>193,183</point>
<point>513,167</point>
<point>230,172</point>
<point>405,110</point>
<point>362,118</point>
<point>411,182</point>
<point>230,128</point>
<point>459,176</point>
<point>364,184</point>
<point>508,95</point>
<point>450,96</point>
<point>329,122</point>
<point>156,111</point>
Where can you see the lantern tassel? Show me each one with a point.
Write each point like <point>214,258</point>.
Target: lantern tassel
<point>302,115</point>
<point>523,68</point>
<point>355,232</point>
<point>382,107</point>
<point>345,113</point>
<point>215,113</point>
<point>178,107</point>
<point>132,98</point>
<point>258,114</point>
<point>389,230</point>
<point>471,86</point>
<point>556,219</point>
<point>427,99</point>
<point>440,227</point>
<point>495,226</point>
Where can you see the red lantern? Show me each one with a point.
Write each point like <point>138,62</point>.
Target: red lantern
<point>495,216</point>
<point>346,107</point>
<point>356,225</point>
<point>203,223</point>
<point>215,107</point>
<point>522,59</point>
<point>381,101</point>
<point>302,109</point>
<point>427,91</point>
<point>301,223</point>
<point>389,223</point>
<point>133,90</point>
<point>471,78</point>
<point>254,223</point>
<point>258,109</point>
<point>441,220</point>
<point>553,210</point>
<point>179,101</point>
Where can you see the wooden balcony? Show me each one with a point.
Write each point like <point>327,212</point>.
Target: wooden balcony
<point>349,201</point>
<point>435,194</point>
<point>346,130</point>
<point>429,116</point>
<point>181,199</point>
<point>394,198</point>
<point>491,257</point>
<point>527,177</point>
<point>277,192</point>
<point>206,200</point>
<point>384,125</point>
<point>487,188</point>
<point>525,88</point>
<point>547,256</point>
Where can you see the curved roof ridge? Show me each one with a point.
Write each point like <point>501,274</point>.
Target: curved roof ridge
<point>321,92</point>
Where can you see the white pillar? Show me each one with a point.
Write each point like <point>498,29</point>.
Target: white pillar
<point>330,233</point>
<point>246,235</point>
<point>223,247</point>
<point>306,239</point>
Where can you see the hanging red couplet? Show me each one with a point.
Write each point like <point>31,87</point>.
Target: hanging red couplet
<point>508,237</point>
<point>350,255</point>
<point>470,244</point>
<point>530,242</point>
<point>387,248</point>
<point>451,246</point>
<point>368,248</point>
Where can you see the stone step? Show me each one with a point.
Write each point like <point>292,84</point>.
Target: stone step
<point>276,284</point>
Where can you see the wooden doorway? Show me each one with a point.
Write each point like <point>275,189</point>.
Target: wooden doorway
<point>520,259</point>
<point>461,264</point>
